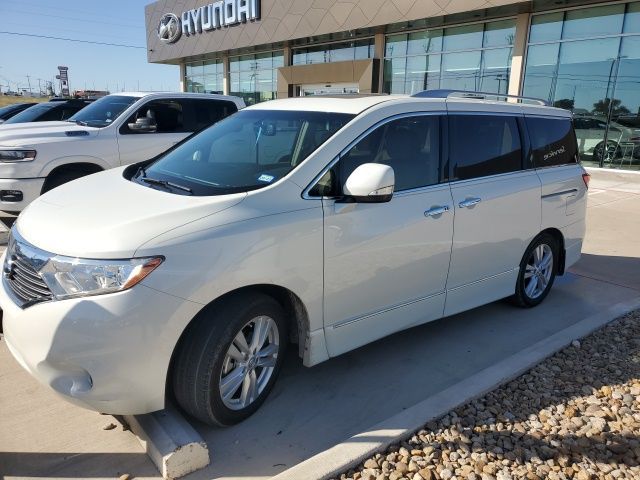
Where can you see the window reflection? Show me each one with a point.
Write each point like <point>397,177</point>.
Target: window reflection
<point>334,52</point>
<point>469,57</point>
<point>597,79</point>
<point>254,77</point>
<point>204,77</point>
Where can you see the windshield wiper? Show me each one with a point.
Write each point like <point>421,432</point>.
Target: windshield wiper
<point>80,122</point>
<point>164,183</point>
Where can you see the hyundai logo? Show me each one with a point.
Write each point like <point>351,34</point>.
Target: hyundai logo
<point>169,29</point>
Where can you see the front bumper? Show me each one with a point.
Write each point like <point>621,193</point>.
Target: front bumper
<point>108,353</point>
<point>30,188</point>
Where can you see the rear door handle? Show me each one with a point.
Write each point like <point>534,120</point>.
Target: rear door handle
<point>469,202</point>
<point>435,211</point>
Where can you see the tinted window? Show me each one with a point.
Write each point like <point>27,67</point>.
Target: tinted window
<point>411,146</point>
<point>208,112</point>
<point>552,140</point>
<point>166,115</point>
<point>12,110</point>
<point>482,145</point>
<point>36,113</point>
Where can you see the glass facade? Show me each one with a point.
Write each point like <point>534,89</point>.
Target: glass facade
<point>474,57</point>
<point>588,61</point>
<point>255,77</point>
<point>334,52</point>
<point>204,77</point>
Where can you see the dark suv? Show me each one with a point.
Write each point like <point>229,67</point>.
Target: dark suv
<point>49,111</point>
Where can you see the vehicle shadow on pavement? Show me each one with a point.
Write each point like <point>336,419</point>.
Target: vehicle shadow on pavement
<point>624,271</point>
<point>78,465</point>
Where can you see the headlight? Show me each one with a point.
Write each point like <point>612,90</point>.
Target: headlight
<point>17,155</point>
<point>69,277</point>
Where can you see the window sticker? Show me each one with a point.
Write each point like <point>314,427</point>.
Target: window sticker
<point>266,178</point>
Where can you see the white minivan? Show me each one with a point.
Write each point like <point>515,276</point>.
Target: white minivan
<point>115,130</point>
<point>326,222</point>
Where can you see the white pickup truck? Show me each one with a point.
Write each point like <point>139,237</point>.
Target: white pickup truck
<point>115,130</point>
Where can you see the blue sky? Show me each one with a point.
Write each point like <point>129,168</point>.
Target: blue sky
<point>96,67</point>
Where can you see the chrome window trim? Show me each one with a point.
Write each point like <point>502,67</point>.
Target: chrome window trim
<point>305,193</point>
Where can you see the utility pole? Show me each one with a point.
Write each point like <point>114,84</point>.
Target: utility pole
<point>29,82</point>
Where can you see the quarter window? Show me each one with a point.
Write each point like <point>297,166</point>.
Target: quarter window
<point>553,141</point>
<point>483,145</point>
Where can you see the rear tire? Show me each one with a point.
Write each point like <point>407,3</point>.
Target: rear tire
<point>538,270</point>
<point>229,359</point>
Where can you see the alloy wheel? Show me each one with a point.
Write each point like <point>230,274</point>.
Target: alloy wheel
<point>538,271</point>
<point>249,363</point>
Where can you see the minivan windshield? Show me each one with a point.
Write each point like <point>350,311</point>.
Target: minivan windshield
<point>247,151</point>
<point>104,111</point>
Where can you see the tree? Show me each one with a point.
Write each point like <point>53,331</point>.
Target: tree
<point>601,107</point>
<point>566,103</point>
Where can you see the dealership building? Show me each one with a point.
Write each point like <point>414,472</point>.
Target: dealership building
<point>583,56</point>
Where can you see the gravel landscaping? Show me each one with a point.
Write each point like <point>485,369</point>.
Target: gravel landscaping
<point>576,415</point>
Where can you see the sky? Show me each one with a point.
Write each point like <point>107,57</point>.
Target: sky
<point>94,67</point>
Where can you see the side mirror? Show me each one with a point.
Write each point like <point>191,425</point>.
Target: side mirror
<point>143,125</point>
<point>370,183</point>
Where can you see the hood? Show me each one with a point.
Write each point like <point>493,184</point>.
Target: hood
<point>33,133</point>
<point>105,215</point>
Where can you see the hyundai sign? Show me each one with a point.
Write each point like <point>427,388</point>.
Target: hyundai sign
<point>216,15</point>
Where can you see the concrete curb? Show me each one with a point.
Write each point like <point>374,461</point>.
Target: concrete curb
<point>350,453</point>
<point>170,441</point>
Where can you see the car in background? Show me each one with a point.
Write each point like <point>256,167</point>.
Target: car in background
<point>11,110</point>
<point>114,130</point>
<point>623,142</point>
<point>49,112</point>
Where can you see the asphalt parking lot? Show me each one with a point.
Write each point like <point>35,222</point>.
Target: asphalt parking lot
<point>311,410</point>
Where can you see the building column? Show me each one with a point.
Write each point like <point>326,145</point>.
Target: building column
<point>183,75</point>
<point>226,81</point>
<point>519,51</point>
<point>378,56</point>
<point>283,88</point>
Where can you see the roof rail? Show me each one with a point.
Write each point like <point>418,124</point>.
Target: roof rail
<point>476,95</point>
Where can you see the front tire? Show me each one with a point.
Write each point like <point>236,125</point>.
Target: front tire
<point>228,361</point>
<point>60,178</point>
<point>538,270</point>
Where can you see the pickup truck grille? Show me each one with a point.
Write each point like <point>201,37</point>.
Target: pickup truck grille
<point>20,273</point>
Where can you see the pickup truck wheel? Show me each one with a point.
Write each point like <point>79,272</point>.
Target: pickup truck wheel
<point>63,177</point>
<point>229,360</point>
<point>537,271</point>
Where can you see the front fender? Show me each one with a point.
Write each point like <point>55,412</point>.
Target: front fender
<point>70,160</point>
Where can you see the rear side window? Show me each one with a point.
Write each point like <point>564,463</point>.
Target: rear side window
<point>483,145</point>
<point>553,141</point>
<point>208,112</point>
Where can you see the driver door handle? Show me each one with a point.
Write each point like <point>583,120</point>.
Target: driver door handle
<point>435,211</point>
<point>469,202</point>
